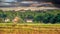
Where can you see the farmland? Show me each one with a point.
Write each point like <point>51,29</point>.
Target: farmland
<point>10,28</point>
<point>43,22</point>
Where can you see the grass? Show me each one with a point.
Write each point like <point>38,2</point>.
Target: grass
<point>26,28</point>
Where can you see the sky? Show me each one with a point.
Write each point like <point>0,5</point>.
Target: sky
<point>8,0</point>
<point>20,0</point>
<point>54,1</point>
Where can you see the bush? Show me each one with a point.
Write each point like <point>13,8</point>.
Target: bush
<point>49,16</point>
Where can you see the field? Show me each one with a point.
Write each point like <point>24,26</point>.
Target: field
<point>10,28</point>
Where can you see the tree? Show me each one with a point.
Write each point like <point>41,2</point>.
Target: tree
<point>58,17</point>
<point>46,18</point>
<point>38,18</point>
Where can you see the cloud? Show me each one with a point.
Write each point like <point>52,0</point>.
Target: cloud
<point>56,1</point>
<point>8,0</point>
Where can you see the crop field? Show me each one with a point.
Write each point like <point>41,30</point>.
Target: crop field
<point>10,28</point>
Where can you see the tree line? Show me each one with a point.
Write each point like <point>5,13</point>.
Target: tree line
<point>40,16</point>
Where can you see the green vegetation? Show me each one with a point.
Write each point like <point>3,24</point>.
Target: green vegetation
<point>49,16</point>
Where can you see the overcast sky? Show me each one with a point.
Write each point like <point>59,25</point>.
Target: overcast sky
<point>20,0</point>
<point>55,1</point>
<point>8,0</point>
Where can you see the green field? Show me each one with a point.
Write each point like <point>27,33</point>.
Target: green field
<point>10,28</point>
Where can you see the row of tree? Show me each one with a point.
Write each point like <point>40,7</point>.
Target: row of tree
<point>49,16</point>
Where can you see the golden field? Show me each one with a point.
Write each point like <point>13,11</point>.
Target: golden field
<point>6,28</point>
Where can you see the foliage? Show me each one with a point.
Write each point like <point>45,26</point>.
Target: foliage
<point>49,16</point>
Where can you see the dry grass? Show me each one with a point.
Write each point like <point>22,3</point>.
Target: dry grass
<point>29,29</point>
